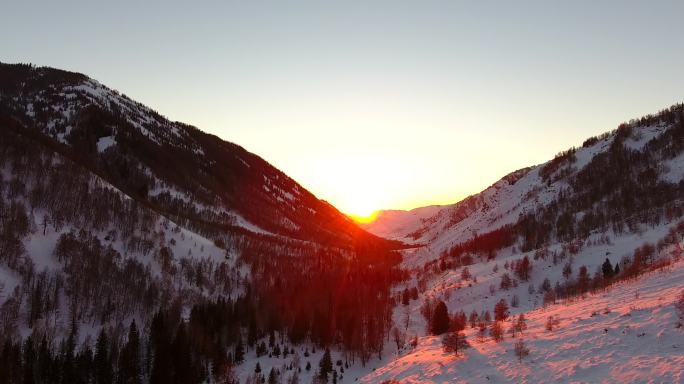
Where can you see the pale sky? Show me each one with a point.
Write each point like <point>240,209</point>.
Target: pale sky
<point>373,104</point>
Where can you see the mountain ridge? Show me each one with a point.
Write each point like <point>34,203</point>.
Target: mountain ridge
<point>112,216</point>
<point>121,122</point>
<point>535,193</point>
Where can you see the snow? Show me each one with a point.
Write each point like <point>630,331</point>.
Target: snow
<point>627,334</point>
<point>29,110</point>
<point>105,142</point>
<point>674,169</point>
<point>641,136</point>
<point>244,223</point>
<point>145,120</point>
<point>577,352</point>
<point>478,297</point>
<point>41,246</point>
<point>393,223</point>
<point>584,155</point>
<point>8,281</point>
<point>502,203</point>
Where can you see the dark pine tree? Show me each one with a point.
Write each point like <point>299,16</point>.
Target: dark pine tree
<point>325,366</point>
<point>102,363</point>
<point>405,297</point>
<point>68,355</point>
<point>583,279</point>
<point>129,359</point>
<point>239,355</point>
<point>607,269</point>
<point>273,376</point>
<point>523,268</point>
<point>159,347</point>
<point>84,365</point>
<point>440,319</point>
<point>183,368</point>
<point>29,362</point>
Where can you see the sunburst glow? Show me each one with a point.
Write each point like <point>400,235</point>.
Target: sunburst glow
<point>362,185</point>
<point>366,218</point>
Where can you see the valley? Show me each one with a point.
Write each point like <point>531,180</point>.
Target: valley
<point>138,249</point>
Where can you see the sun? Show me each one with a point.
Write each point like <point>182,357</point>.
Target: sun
<point>361,204</point>
<point>365,218</point>
<point>360,186</point>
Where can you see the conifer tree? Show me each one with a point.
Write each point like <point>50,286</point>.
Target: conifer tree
<point>239,355</point>
<point>28,361</point>
<point>501,310</point>
<point>102,364</point>
<point>440,319</point>
<point>129,360</point>
<point>68,354</point>
<point>607,269</point>
<point>183,369</point>
<point>273,377</point>
<point>325,366</point>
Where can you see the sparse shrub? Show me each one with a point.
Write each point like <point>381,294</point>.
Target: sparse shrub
<point>414,342</point>
<point>679,304</point>
<point>399,338</point>
<point>496,332</point>
<point>506,282</point>
<point>465,273</point>
<point>520,325</point>
<point>473,319</point>
<point>567,270</point>
<point>552,322</point>
<point>515,301</point>
<point>545,286</point>
<point>521,350</point>
<point>454,342</point>
<point>481,331</point>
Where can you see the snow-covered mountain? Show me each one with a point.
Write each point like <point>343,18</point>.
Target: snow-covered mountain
<point>168,164</point>
<point>111,215</point>
<point>528,191</point>
<point>592,239</point>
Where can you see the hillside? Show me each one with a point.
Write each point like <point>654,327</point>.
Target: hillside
<point>115,220</point>
<point>593,237</point>
<point>170,165</point>
<point>136,249</point>
<point>628,171</point>
<point>630,333</point>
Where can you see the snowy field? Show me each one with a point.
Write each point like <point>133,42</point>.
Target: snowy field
<point>628,334</point>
